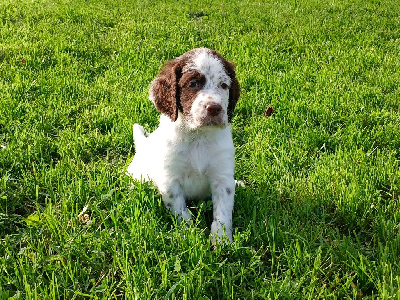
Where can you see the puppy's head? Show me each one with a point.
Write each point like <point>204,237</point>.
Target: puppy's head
<point>199,86</point>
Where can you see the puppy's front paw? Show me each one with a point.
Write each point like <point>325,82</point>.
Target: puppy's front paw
<point>220,233</point>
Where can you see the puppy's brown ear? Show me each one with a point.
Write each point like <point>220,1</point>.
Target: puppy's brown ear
<point>234,91</point>
<point>164,90</point>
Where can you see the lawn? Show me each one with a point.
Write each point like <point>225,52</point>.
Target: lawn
<point>319,216</point>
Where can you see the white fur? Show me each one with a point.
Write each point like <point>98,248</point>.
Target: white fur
<point>186,159</point>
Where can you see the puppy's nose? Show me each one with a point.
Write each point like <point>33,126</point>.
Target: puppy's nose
<point>213,109</point>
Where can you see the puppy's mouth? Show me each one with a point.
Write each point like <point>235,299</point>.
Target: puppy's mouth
<point>206,121</point>
<point>213,121</point>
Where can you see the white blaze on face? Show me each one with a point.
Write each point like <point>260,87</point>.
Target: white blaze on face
<point>215,90</point>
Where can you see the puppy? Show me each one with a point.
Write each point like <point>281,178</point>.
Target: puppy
<point>191,154</point>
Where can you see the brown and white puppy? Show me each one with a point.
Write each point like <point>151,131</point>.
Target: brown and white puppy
<point>191,154</point>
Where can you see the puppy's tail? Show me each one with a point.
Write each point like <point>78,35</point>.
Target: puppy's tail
<point>139,134</point>
<point>136,167</point>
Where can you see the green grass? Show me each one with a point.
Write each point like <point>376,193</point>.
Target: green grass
<point>320,214</point>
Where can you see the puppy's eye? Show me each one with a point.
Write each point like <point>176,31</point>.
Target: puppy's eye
<point>224,86</point>
<point>194,84</point>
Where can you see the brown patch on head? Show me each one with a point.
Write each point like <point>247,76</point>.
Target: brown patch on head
<point>234,90</point>
<point>190,85</point>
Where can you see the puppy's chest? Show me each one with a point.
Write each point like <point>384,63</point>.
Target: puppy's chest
<point>194,159</point>
<point>192,170</point>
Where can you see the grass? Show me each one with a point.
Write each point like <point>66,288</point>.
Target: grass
<point>320,214</point>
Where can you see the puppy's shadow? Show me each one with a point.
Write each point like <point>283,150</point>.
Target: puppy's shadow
<point>202,211</point>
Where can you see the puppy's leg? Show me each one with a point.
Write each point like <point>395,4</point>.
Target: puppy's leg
<point>175,202</point>
<point>223,197</point>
